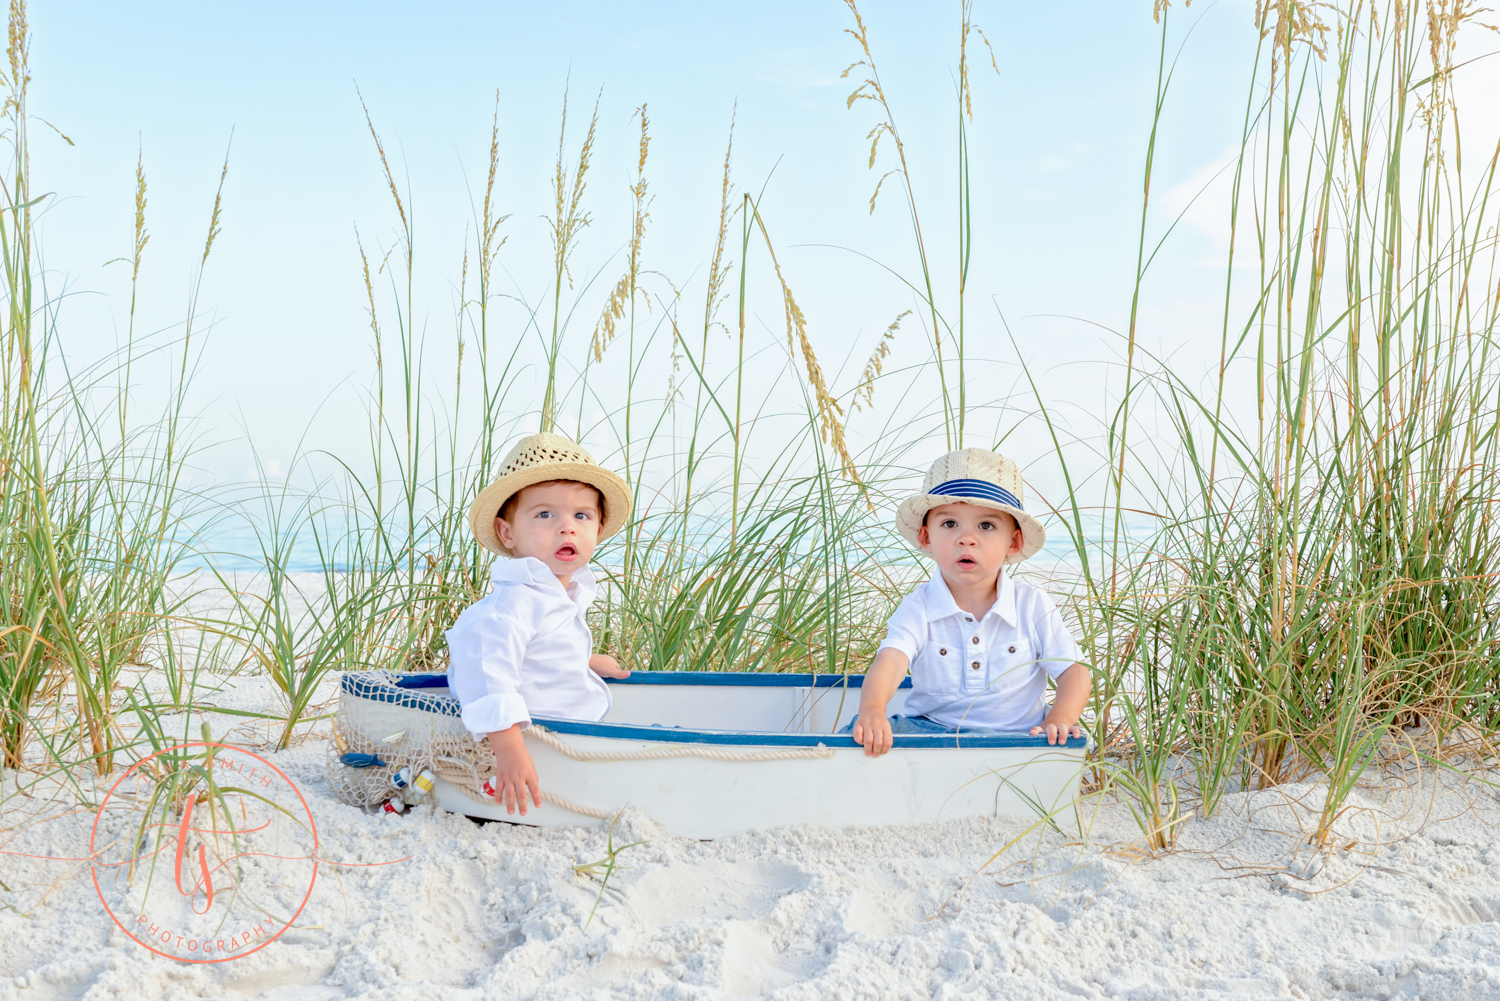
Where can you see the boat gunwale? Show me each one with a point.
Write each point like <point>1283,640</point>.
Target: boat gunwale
<point>765,738</point>
<point>412,685</point>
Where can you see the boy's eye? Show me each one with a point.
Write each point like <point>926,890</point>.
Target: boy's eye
<point>986,525</point>
<point>949,523</point>
<point>544,514</point>
<point>583,515</point>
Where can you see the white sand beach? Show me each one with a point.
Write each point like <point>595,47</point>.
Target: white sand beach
<point>305,313</point>
<point>1241,907</point>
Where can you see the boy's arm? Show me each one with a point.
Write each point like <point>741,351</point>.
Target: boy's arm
<point>486,648</point>
<point>1072,695</point>
<point>873,728</point>
<point>515,775</point>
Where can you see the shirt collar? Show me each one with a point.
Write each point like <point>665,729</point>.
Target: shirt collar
<point>940,603</point>
<point>1005,598</point>
<point>530,570</point>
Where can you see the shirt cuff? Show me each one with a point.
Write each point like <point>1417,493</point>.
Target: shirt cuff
<point>1057,665</point>
<point>909,649</point>
<point>494,713</point>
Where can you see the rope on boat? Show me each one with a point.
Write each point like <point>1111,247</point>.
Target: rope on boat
<point>463,774</point>
<point>461,765</point>
<point>570,805</point>
<point>676,751</point>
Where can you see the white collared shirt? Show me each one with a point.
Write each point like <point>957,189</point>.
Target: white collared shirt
<point>989,673</point>
<point>524,649</point>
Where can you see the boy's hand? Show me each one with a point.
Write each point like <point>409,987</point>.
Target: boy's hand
<point>606,666</point>
<point>515,775</point>
<point>1072,695</point>
<point>1057,733</point>
<point>873,730</point>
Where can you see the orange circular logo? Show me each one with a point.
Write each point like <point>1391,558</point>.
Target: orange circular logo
<point>204,852</point>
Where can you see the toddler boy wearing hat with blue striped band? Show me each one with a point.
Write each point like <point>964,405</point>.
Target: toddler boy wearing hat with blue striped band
<point>980,645</point>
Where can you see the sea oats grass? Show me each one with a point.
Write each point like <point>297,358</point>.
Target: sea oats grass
<point>1325,573</point>
<point>1314,595</point>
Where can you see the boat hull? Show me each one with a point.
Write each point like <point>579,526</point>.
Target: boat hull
<point>701,782</point>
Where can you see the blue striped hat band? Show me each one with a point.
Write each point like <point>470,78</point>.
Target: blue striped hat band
<point>982,489</point>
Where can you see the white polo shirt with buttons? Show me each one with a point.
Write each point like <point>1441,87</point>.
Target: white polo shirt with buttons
<point>985,671</point>
<point>524,649</point>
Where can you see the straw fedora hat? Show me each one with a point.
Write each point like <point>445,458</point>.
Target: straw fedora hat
<point>537,459</point>
<point>973,476</point>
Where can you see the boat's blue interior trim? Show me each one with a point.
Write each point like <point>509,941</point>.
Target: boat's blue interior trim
<point>379,686</point>
<point>676,735</point>
<point>421,691</point>
<point>745,679</point>
<point>421,681</point>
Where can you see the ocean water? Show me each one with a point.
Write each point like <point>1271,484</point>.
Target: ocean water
<point>239,543</point>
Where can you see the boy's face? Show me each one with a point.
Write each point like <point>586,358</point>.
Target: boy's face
<point>558,523</point>
<point>970,543</point>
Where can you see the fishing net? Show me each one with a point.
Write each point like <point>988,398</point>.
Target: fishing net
<point>383,727</point>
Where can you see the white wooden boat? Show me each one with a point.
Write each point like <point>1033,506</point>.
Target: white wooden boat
<point>713,754</point>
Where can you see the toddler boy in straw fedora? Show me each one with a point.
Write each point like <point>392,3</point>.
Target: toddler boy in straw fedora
<point>979,643</point>
<point>525,648</point>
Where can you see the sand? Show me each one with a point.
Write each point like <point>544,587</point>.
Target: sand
<point>1241,907</point>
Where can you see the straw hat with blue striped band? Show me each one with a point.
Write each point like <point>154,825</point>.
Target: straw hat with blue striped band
<point>974,476</point>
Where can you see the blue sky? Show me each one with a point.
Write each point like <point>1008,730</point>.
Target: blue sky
<point>1057,147</point>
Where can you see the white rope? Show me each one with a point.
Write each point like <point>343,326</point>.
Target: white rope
<point>570,805</point>
<point>465,777</point>
<point>676,751</point>
<point>463,773</point>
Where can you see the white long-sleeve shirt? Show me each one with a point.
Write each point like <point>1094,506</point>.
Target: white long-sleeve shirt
<point>989,673</point>
<point>524,649</point>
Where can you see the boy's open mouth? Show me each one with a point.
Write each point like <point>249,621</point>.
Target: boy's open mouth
<point>966,563</point>
<point>566,552</point>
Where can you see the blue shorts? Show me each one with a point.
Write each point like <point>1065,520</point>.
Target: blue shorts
<point>919,724</point>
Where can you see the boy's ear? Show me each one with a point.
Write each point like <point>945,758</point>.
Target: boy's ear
<point>923,539</point>
<point>502,529</point>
